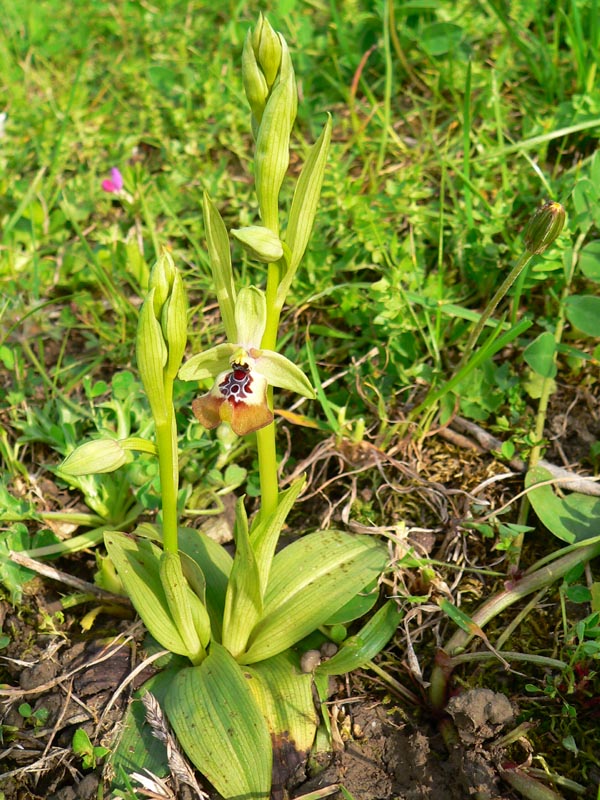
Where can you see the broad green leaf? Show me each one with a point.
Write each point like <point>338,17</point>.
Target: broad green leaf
<point>285,697</point>
<point>220,726</point>
<point>572,518</point>
<point>137,563</point>
<point>265,533</point>
<point>187,611</point>
<point>219,254</point>
<point>589,260</point>
<point>585,199</point>
<point>440,38</point>
<point>360,605</point>
<point>310,580</point>
<point>243,601</point>
<point>215,563</point>
<point>540,353</point>
<point>583,311</point>
<point>365,645</point>
<point>304,207</point>
<point>137,748</point>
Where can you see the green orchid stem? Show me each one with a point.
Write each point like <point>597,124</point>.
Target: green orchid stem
<point>265,437</point>
<point>166,442</point>
<point>533,581</point>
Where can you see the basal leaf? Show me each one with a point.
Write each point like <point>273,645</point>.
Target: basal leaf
<point>539,354</point>
<point>215,563</point>
<point>137,563</point>
<point>243,600</point>
<point>284,695</point>
<point>310,580</point>
<point>365,645</point>
<point>583,311</point>
<point>220,726</point>
<point>572,518</point>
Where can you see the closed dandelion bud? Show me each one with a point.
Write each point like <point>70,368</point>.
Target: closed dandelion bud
<point>92,458</point>
<point>544,228</point>
<point>261,243</point>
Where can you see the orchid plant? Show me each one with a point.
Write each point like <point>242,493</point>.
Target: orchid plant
<point>238,697</point>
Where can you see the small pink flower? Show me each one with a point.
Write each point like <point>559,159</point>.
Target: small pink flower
<point>114,184</point>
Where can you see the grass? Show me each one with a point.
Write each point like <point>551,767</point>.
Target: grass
<point>452,123</point>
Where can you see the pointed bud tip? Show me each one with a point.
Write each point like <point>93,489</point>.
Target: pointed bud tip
<point>544,227</point>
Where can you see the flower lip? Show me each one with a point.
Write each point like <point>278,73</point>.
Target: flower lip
<point>237,384</point>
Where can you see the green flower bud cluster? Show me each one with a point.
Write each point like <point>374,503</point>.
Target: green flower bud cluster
<point>162,333</point>
<point>270,86</point>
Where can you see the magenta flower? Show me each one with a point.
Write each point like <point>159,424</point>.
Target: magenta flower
<point>114,184</point>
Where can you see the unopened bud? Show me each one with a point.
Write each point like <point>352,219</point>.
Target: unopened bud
<point>91,458</point>
<point>261,243</point>
<point>267,49</point>
<point>544,228</point>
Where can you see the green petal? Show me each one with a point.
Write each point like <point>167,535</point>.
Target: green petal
<point>281,372</point>
<point>250,316</point>
<point>208,364</point>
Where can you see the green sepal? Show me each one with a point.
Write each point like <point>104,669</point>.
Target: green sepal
<point>243,601</point>
<point>283,373</point>
<point>363,646</point>
<point>220,726</point>
<point>187,611</point>
<point>219,254</point>
<point>310,580</point>
<point>137,564</point>
<point>304,207</point>
<point>208,364</point>
<point>250,316</point>
<point>94,458</point>
<point>152,357</point>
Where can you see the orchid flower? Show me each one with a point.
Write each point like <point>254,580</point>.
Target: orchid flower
<point>114,184</point>
<point>243,372</point>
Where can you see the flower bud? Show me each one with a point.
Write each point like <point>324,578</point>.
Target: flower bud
<point>261,63</point>
<point>266,45</point>
<point>101,455</point>
<point>544,228</point>
<point>261,243</point>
